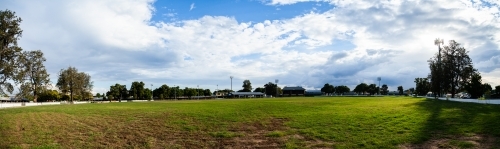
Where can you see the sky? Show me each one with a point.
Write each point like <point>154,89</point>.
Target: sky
<point>306,43</point>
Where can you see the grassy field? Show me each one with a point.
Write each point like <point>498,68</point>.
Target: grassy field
<point>311,122</point>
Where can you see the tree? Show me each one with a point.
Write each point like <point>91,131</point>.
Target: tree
<point>163,91</point>
<point>98,95</point>
<point>10,32</point>
<point>497,89</point>
<point>118,91</point>
<point>259,89</point>
<point>400,90</point>
<point>422,86</point>
<point>451,69</point>
<point>189,92</point>
<point>411,90</point>
<point>361,88</point>
<point>271,89</point>
<point>73,82</point>
<point>247,86</point>
<point>328,89</point>
<point>49,95</point>
<point>32,74</point>
<point>372,89</point>
<point>384,89</point>
<point>487,87</point>
<point>342,89</point>
<point>137,90</point>
<point>475,87</point>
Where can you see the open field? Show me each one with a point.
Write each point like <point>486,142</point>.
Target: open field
<point>311,122</point>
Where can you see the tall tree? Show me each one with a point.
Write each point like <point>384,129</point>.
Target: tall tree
<point>33,75</point>
<point>328,89</point>
<point>342,89</point>
<point>73,82</point>
<point>361,88</point>
<point>137,90</point>
<point>400,90</point>
<point>372,89</point>
<point>10,32</point>
<point>271,89</point>
<point>118,91</point>
<point>497,89</point>
<point>454,68</point>
<point>422,86</point>
<point>384,89</point>
<point>475,87</point>
<point>247,86</point>
<point>162,91</point>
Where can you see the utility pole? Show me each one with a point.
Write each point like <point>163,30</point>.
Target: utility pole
<point>379,84</point>
<point>276,81</point>
<point>231,82</point>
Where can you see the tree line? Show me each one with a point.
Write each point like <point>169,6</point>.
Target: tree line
<point>25,69</point>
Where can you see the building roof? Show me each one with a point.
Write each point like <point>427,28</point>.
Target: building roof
<point>288,88</point>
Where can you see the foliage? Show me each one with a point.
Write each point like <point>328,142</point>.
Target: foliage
<point>73,82</point>
<point>10,32</point>
<point>342,89</point>
<point>328,89</point>
<point>247,86</point>
<point>271,88</point>
<point>400,90</point>
<point>372,89</point>
<point>451,69</point>
<point>361,88</point>
<point>384,89</point>
<point>475,88</point>
<point>422,86</point>
<point>137,90</point>
<point>118,92</point>
<point>32,74</point>
<point>259,89</point>
<point>49,95</point>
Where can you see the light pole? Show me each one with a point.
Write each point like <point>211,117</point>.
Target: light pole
<point>276,81</point>
<point>438,42</point>
<point>231,82</point>
<point>379,84</point>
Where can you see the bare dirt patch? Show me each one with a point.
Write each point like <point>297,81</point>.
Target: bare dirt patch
<point>455,142</point>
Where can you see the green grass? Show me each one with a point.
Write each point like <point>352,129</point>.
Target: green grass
<point>307,122</point>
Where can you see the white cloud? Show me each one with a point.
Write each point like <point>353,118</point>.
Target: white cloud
<point>191,7</point>
<point>117,42</point>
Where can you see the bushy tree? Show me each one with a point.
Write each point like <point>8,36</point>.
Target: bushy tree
<point>384,89</point>
<point>400,90</point>
<point>49,95</point>
<point>372,89</point>
<point>32,74</point>
<point>259,89</point>
<point>247,86</point>
<point>271,89</point>
<point>342,89</point>
<point>451,69</point>
<point>328,89</point>
<point>10,32</point>
<point>137,90</point>
<point>73,82</point>
<point>118,92</point>
<point>422,86</point>
<point>475,87</point>
<point>361,88</point>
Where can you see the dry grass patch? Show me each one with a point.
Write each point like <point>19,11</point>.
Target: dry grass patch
<point>456,142</point>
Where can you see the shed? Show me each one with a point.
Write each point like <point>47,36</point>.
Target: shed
<point>296,90</point>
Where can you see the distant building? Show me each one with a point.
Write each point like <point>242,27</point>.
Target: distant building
<point>297,91</point>
<point>246,94</point>
<point>313,93</point>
